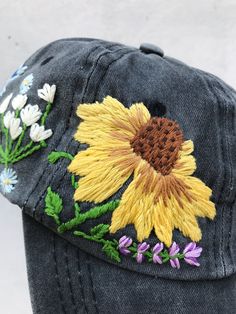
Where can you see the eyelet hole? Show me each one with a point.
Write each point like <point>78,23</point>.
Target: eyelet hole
<point>46,60</point>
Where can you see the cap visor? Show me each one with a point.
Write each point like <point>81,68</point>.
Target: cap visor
<point>64,279</point>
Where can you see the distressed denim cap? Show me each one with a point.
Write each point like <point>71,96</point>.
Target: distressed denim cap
<point>123,163</point>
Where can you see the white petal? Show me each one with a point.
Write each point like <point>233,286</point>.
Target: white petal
<point>19,101</point>
<point>5,103</point>
<point>7,118</point>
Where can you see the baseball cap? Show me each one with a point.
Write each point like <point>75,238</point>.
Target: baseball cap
<point>123,163</point>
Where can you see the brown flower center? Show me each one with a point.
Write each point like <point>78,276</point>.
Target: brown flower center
<point>158,142</point>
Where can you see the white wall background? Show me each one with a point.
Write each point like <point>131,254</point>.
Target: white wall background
<point>201,33</point>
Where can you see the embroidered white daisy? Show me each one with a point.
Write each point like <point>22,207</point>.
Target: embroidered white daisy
<point>8,179</point>
<point>30,114</point>
<point>19,101</point>
<point>47,93</point>
<point>38,133</point>
<point>8,117</point>
<point>5,103</point>
<point>15,128</point>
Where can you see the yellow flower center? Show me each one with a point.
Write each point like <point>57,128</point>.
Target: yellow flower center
<point>7,182</point>
<point>158,142</point>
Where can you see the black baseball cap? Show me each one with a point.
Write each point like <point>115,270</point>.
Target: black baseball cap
<point>123,163</point>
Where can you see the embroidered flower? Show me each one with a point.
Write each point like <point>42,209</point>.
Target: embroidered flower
<point>8,117</point>
<point>38,133</point>
<point>16,74</point>
<point>15,128</point>
<point>124,243</point>
<point>156,251</point>
<point>191,252</point>
<point>21,70</point>
<point>5,103</point>
<point>30,114</point>
<point>26,84</point>
<point>142,248</point>
<point>174,249</point>
<point>47,93</point>
<point>8,179</point>
<point>19,102</point>
<point>124,141</point>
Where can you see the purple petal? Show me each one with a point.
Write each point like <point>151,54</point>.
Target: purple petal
<point>192,261</point>
<point>174,249</point>
<point>143,247</point>
<point>125,241</point>
<point>172,263</point>
<point>175,263</point>
<point>158,248</point>
<point>139,258</point>
<point>157,259</point>
<point>189,247</point>
<point>124,251</point>
<point>195,253</point>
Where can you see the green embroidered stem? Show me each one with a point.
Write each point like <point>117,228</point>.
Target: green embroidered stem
<point>93,213</point>
<point>26,154</point>
<point>44,116</point>
<point>109,247</point>
<point>20,139</point>
<point>54,156</point>
<point>23,149</point>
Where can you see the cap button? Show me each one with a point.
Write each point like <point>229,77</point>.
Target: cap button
<point>150,48</point>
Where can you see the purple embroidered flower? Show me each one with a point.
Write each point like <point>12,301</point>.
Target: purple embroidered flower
<point>142,247</point>
<point>191,252</point>
<point>174,249</point>
<point>124,243</point>
<point>156,250</point>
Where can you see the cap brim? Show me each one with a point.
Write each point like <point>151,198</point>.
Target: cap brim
<point>64,279</point>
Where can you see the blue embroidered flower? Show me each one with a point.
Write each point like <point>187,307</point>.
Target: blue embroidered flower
<point>8,179</point>
<point>26,84</point>
<point>21,70</point>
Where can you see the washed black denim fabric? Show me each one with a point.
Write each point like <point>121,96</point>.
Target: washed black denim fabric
<point>86,71</point>
<point>66,280</point>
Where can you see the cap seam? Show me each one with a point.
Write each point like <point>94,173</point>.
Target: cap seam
<point>41,215</point>
<point>58,143</point>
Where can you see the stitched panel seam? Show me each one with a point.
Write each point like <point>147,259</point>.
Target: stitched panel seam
<point>72,139</point>
<point>81,284</point>
<point>69,279</point>
<point>60,139</point>
<point>92,284</point>
<point>57,277</point>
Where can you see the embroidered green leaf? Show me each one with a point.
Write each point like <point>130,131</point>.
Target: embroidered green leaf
<point>111,252</point>
<point>100,230</point>
<point>53,204</point>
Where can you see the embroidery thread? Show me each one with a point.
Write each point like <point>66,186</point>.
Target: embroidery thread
<point>163,194</point>
<point>100,233</point>
<point>14,126</point>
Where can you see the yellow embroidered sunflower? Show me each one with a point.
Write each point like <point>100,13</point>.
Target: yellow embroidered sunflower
<point>124,141</point>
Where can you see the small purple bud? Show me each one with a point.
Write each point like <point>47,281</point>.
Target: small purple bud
<point>175,263</point>
<point>124,243</point>
<point>156,250</point>
<point>174,249</point>
<point>191,252</point>
<point>142,247</point>
<point>139,258</point>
